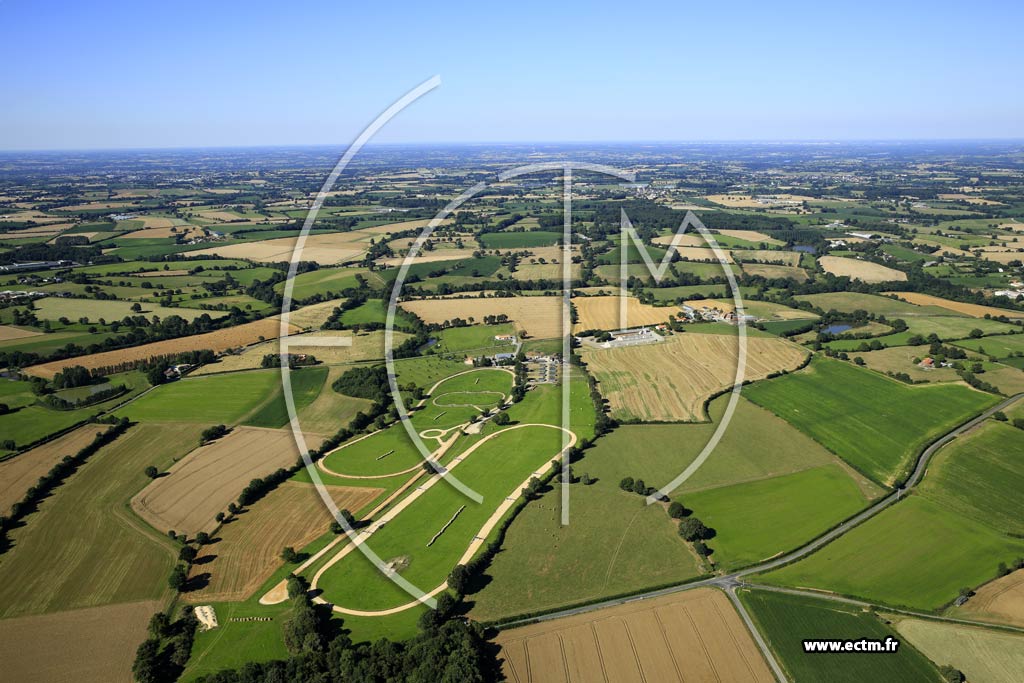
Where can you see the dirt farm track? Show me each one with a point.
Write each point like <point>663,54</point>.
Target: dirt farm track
<point>693,636</point>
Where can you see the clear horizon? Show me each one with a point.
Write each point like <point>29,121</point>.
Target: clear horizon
<point>114,75</point>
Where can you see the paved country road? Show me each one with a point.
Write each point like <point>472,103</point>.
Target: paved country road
<point>730,582</point>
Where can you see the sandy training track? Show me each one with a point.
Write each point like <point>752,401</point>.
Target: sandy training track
<point>474,545</point>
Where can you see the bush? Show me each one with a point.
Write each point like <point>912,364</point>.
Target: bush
<point>626,484</point>
<point>676,510</point>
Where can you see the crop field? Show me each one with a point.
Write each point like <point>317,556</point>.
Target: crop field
<point>613,544</point>
<point>670,381</point>
<point>326,249</point>
<point>539,316</point>
<point>973,310</point>
<point>603,313</point>
<point>21,472</point>
<point>878,437</point>
<point>786,620</point>
<point>752,236</point>
<point>777,514</point>
<point>981,654</point>
<point>84,547</point>
<point>904,543</point>
<point>307,384</point>
<point>249,548</point>
<point>767,256</point>
<point>202,484</point>
<point>93,645</point>
<point>1001,600</point>
<point>9,332</point>
<point>694,635</point>
<point>865,271</point>
<point>219,340</point>
<point>848,302</point>
<point>981,475</point>
<point>328,280</point>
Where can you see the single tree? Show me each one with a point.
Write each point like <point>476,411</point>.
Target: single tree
<point>152,472</point>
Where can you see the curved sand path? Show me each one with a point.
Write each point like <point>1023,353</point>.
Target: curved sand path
<point>474,545</point>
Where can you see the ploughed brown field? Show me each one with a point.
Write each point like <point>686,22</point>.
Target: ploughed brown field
<point>93,645</point>
<point>249,547</point>
<point>688,636</point>
<point>197,487</point>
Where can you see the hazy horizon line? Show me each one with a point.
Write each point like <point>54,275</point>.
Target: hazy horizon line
<point>522,143</point>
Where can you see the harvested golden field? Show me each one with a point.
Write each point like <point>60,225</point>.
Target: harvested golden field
<point>772,271</point>
<point>865,271</point>
<point>202,483</point>
<point>692,635</point>
<point>669,381</point>
<point>1001,600</point>
<point>1003,257</point>
<point>365,346</point>
<point>428,257</point>
<point>603,313</point>
<point>983,655</point>
<point>249,549</point>
<point>313,316</point>
<point>725,305</point>
<point>689,239</point>
<point>93,645</point>
<point>974,310</point>
<point>539,317</point>
<point>221,216</point>
<point>164,233</point>
<point>20,473</point>
<point>752,236</point>
<point>901,359</point>
<point>326,249</point>
<point>220,340</point>
<point>703,254</point>
<point>9,332</point>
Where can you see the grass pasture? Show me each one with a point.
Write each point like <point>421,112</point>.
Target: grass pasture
<point>973,310</point>
<point>776,514</point>
<point>669,381</point>
<point>917,554</point>
<point>848,302</point>
<point>878,437</point>
<point>519,240</point>
<point>207,400</point>
<point>786,620</point>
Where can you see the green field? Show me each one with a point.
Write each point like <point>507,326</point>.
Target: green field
<point>392,446</point>
<point>1002,346</point>
<point>474,338</point>
<point>324,280</point>
<point>848,302</point>
<point>519,240</point>
<point>495,470</point>
<point>234,643</point>
<point>917,554</point>
<point>981,475</point>
<point>878,436</point>
<point>786,620</point>
<point>657,453</point>
<point>757,520</point>
<point>613,544</point>
<point>209,399</point>
<point>307,383</point>
<point>84,547</point>
<point>34,421</point>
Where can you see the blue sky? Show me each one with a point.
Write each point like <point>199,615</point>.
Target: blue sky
<point>111,74</point>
